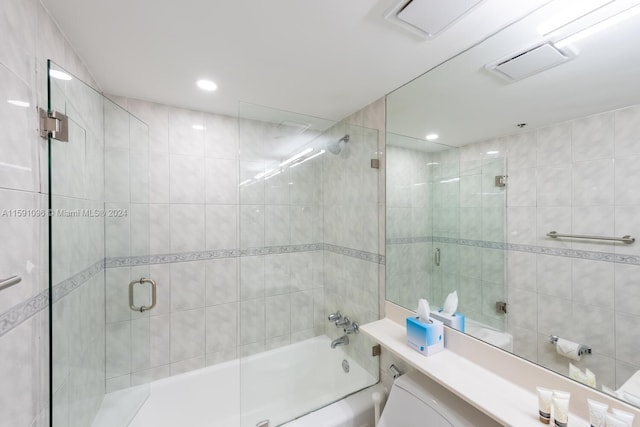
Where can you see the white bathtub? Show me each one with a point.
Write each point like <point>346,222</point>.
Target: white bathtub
<point>278,385</point>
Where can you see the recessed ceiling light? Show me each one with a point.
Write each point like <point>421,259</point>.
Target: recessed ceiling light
<point>432,137</point>
<point>207,85</point>
<point>17,103</point>
<point>57,74</point>
<point>198,127</point>
<point>493,152</point>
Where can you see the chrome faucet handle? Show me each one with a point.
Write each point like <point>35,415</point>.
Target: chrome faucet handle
<point>343,322</point>
<point>352,328</point>
<point>335,316</point>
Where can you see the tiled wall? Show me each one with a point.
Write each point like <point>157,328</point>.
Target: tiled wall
<point>29,38</point>
<point>576,177</point>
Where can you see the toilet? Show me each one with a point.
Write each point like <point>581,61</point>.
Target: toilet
<point>417,401</point>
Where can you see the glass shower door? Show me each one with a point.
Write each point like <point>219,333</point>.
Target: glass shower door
<point>96,220</point>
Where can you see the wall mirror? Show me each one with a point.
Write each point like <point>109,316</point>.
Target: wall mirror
<point>534,130</point>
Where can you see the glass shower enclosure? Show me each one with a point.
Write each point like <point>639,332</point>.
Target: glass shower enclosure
<point>304,213</point>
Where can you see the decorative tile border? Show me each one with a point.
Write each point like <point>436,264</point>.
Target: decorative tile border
<point>29,308</point>
<point>543,250</point>
<point>355,253</point>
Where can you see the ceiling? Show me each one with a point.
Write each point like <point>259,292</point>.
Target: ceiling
<point>464,103</point>
<point>324,58</point>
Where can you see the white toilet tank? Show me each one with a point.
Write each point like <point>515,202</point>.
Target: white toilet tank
<point>417,401</point>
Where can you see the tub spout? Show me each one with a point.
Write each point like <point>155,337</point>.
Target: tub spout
<point>343,340</point>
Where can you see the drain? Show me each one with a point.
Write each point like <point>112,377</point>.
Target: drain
<point>345,366</point>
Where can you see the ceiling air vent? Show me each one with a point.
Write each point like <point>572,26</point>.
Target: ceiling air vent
<point>428,18</point>
<point>529,62</point>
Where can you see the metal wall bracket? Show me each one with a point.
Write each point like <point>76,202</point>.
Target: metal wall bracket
<point>375,163</point>
<point>501,181</point>
<point>54,124</point>
<point>375,350</point>
<point>501,307</point>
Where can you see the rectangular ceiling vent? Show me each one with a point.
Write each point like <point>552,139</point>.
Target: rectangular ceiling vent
<point>429,18</point>
<point>529,62</point>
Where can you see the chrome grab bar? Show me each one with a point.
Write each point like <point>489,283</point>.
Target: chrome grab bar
<point>625,239</point>
<point>7,283</point>
<point>142,308</point>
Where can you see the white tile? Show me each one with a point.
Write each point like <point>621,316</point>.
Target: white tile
<point>140,229</point>
<point>116,179</point>
<point>139,175</point>
<point>521,151</point>
<point>140,344</point>
<point>221,279</point>
<point>183,138</point>
<point>593,183</point>
<point>222,327</point>
<point>187,334</point>
<point>554,145</point>
<point>554,276</point>
<point>159,229</point>
<point>523,309</point>
<point>593,282</point>
<point>187,179</point>
<point>627,129</point>
<point>627,179</point>
<point>277,226</point>
<point>627,335</point>
<point>301,311</point>
<point>252,321</point>
<point>117,230</point>
<point>149,375</point>
<point>553,219</point>
<point>117,294</point>
<point>221,223</point>
<point>187,365</point>
<point>252,277</point>
<point>19,167</point>
<point>161,274</point>
<point>156,116</point>
<point>277,189</point>
<point>159,177</point>
<point>277,275</point>
<point>521,270</point>
<point>187,285</point>
<point>592,138</point>
<point>553,186</point>
<point>521,225</point>
<point>23,235</point>
<point>252,191</point>
<point>627,289</point>
<point>159,343</point>
<point>118,349</point>
<point>221,136</point>
<point>252,226</point>
<point>187,228</point>
<point>116,122</point>
<point>522,187</point>
<point>221,181</point>
<point>594,221</point>
<point>18,23</point>
<point>302,265</point>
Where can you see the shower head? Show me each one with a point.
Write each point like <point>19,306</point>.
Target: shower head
<point>335,147</point>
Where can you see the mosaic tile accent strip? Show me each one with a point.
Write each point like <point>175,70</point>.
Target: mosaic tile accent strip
<point>543,250</point>
<point>69,285</point>
<point>18,314</point>
<point>354,253</point>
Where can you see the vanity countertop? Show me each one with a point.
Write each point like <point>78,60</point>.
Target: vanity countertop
<point>506,402</point>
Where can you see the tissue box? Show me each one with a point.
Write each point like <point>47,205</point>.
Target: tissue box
<point>427,338</point>
<point>455,320</point>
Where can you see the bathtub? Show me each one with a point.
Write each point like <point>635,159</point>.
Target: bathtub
<point>278,385</point>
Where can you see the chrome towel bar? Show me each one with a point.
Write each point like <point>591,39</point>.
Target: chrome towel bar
<point>7,283</point>
<point>625,239</point>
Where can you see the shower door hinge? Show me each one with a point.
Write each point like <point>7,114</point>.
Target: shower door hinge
<point>375,163</point>
<point>375,350</point>
<point>501,180</point>
<point>54,124</point>
<point>501,307</point>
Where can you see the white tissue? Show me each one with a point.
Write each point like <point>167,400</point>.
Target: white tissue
<point>423,309</point>
<point>568,349</point>
<point>450,303</point>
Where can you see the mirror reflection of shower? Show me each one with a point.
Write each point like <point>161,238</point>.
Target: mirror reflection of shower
<point>336,146</point>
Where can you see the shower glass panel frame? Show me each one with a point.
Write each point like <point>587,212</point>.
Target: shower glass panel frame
<point>308,239</point>
<point>98,241</point>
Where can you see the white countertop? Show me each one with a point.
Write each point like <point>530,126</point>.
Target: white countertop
<point>501,399</point>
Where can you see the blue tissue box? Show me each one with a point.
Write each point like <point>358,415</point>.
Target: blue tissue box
<point>455,320</point>
<point>427,338</point>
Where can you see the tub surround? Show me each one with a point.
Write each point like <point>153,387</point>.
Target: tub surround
<point>503,384</point>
